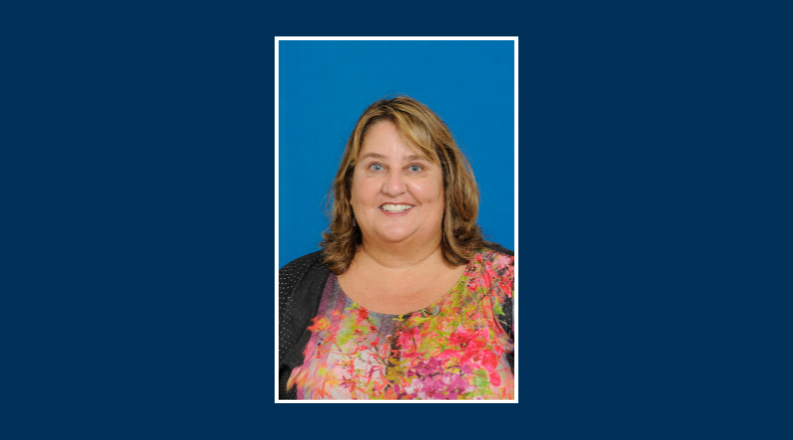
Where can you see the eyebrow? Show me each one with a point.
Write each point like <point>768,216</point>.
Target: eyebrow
<point>380,156</point>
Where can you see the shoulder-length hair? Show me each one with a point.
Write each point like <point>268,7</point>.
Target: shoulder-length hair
<point>421,128</point>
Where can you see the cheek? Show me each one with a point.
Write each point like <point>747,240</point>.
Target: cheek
<point>429,192</point>
<point>361,192</point>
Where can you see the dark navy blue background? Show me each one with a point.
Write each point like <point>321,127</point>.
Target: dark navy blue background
<point>138,241</point>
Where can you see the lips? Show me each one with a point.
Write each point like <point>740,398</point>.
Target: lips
<point>394,208</point>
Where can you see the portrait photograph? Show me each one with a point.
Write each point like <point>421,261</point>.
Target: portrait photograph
<point>396,213</point>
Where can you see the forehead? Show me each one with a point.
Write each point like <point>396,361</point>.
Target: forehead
<point>383,138</point>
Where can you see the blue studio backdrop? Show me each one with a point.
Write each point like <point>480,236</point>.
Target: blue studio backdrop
<point>323,88</point>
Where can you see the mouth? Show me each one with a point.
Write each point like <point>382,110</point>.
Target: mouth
<point>392,208</point>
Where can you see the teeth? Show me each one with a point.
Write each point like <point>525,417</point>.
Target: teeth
<point>396,208</point>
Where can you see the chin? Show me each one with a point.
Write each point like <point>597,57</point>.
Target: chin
<point>395,236</point>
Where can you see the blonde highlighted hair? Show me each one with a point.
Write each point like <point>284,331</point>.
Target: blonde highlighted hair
<point>423,129</point>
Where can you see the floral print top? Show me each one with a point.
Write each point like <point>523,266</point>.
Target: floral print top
<point>453,349</point>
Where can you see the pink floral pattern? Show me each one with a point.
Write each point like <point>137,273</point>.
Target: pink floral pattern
<point>454,349</point>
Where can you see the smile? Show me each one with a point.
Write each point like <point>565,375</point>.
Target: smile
<point>395,209</point>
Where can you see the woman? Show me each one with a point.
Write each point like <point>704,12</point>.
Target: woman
<point>406,300</point>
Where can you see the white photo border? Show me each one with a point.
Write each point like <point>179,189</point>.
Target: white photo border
<point>515,296</point>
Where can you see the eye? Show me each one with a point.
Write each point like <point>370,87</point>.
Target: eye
<point>376,167</point>
<point>415,168</point>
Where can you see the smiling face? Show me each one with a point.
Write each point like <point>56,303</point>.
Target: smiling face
<point>396,193</point>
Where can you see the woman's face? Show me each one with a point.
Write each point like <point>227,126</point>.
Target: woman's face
<point>397,194</point>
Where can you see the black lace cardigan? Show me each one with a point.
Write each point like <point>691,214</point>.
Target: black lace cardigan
<point>300,286</point>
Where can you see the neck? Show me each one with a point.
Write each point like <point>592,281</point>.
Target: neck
<point>401,256</point>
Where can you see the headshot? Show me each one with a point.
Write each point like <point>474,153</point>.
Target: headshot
<point>395,220</point>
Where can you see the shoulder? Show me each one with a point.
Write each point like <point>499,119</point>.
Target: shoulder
<point>497,266</point>
<point>498,248</point>
<point>302,264</point>
<point>494,269</point>
<point>496,257</point>
<point>301,271</point>
<point>300,287</point>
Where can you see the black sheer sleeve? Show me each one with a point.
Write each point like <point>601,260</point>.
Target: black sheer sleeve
<point>300,285</point>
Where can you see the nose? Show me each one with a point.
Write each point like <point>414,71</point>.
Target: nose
<point>395,185</point>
